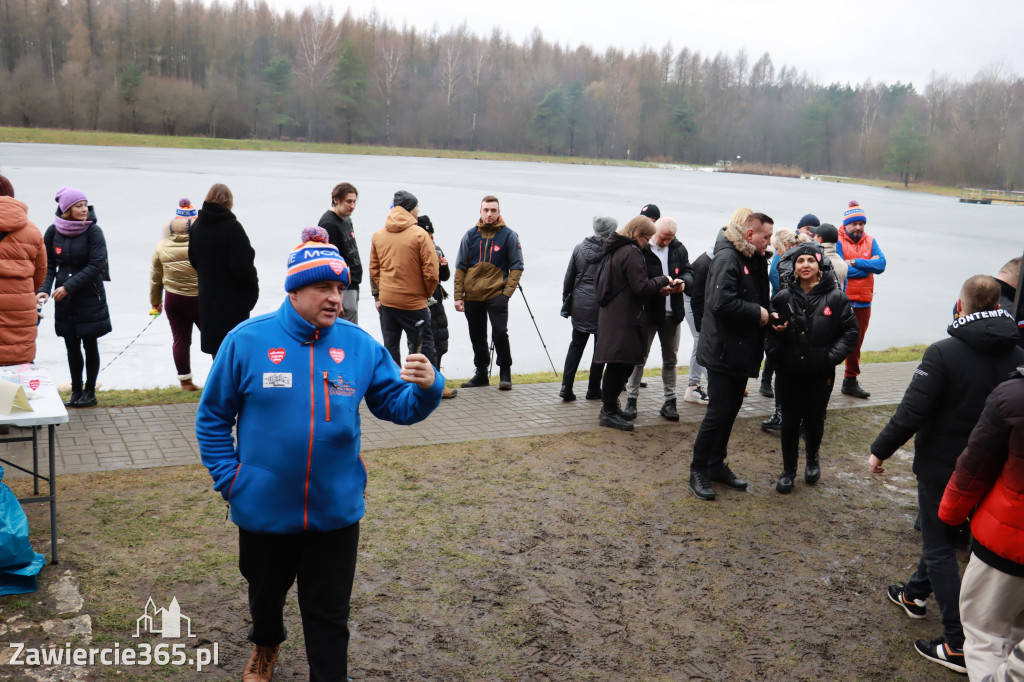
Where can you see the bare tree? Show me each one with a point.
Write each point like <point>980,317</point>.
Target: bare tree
<point>318,41</point>
<point>386,78</point>
<point>451,74</point>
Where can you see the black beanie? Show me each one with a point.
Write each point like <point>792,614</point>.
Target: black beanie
<point>424,222</point>
<point>651,211</point>
<point>405,199</point>
<point>809,220</point>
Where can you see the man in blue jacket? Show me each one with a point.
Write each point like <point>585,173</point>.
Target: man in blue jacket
<point>294,480</point>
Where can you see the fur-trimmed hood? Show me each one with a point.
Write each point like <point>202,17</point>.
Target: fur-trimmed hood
<point>735,236</point>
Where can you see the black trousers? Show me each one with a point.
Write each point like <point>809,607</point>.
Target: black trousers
<point>616,374</point>
<point>802,398</point>
<point>394,321</point>
<point>725,397</point>
<point>937,570</point>
<point>572,362</point>
<point>477,314</point>
<point>325,566</point>
<point>74,346</point>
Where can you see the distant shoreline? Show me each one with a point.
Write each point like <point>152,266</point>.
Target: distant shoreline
<point>109,139</point>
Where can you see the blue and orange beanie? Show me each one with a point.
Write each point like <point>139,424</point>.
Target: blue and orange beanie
<point>854,214</point>
<point>315,260</point>
<point>185,210</point>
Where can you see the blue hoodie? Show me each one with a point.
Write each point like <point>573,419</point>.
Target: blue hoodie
<point>296,391</point>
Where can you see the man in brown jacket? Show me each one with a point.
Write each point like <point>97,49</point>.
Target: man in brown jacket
<point>404,272</point>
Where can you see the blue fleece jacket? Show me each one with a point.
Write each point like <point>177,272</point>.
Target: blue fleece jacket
<point>295,391</point>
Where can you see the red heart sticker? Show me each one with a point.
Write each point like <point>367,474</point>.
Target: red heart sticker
<point>497,248</point>
<point>827,311</point>
<point>745,271</point>
<point>33,384</point>
<point>276,355</point>
<point>336,266</point>
<point>337,354</point>
<point>57,249</point>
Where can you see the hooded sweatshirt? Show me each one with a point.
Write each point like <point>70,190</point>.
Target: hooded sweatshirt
<point>403,262</point>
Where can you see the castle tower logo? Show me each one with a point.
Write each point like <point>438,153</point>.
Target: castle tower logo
<point>164,622</point>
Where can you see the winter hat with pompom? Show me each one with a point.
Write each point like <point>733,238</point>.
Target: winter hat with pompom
<point>854,214</point>
<point>186,211</point>
<point>315,260</point>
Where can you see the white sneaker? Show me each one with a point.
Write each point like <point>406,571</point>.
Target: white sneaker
<point>695,395</point>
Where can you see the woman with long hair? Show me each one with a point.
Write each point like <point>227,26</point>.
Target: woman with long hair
<point>815,331</point>
<point>76,267</point>
<point>622,287</point>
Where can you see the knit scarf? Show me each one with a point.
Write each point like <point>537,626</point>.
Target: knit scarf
<point>71,228</point>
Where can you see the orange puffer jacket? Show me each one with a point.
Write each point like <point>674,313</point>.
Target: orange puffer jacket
<point>22,270</point>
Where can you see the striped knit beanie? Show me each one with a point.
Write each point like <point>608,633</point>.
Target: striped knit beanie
<point>186,211</point>
<point>314,260</point>
<point>854,214</point>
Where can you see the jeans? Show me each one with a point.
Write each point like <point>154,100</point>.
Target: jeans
<point>394,321</point>
<point>324,564</point>
<point>477,314</point>
<point>725,393</point>
<point>937,570</point>
<point>696,369</point>
<point>668,337</point>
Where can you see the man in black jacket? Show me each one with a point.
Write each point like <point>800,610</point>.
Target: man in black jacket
<point>338,222</point>
<point>663,255</point>
<point>731,343</point>
<point>942,403</point>
<point>694,316</point>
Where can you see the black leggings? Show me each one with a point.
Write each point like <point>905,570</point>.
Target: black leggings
<point>615,376</point>
<point>75,344</point>
<point>802,398</point>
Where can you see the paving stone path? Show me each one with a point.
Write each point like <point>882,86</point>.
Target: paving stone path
<point>102,439</point>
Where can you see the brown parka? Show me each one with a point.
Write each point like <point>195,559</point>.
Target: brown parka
<point>22,271</point>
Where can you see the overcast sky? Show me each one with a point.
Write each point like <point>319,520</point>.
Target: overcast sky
<point>884,40</point>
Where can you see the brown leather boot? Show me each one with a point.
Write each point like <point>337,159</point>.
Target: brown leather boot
<point>187,385</point>
<point>261,664</point>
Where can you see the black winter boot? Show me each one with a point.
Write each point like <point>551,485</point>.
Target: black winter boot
<point>88,398</point>
<point>630,411</point>
<point>76,395</point>
<point>812,472</point>
<point>785,483</point>
<point>479,379</point>
<point>505,379</point>
<point>613,420</point>
<point>566,394</point>
<point>852,387</point>
<point>773,424</point>
<point>668,410</point>
<point>766,388</point>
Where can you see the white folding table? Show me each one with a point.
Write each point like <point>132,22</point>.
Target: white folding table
<point>47,410</point>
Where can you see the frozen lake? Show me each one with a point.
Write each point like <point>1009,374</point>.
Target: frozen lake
<point>932,243</point>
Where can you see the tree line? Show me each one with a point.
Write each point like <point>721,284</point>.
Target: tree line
<point>180,67</point>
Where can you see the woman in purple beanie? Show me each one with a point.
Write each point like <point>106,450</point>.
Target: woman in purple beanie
<point>76,267</point>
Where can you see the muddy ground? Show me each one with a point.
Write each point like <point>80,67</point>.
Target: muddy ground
<point>570,557</point>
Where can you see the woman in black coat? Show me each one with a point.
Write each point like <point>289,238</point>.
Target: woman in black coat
<point>580,302</point>
<point>219,250</point>
<point>438,316</point>
<point>820,330</point>
<point>622,287</point>
<point>76,266</point>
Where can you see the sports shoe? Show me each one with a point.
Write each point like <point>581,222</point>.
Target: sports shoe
<point>723,474</point>
<point>630,411</point>
<point>261,663</point>
<point>852,387</point>
<point>700,486</point>
<point>668,410</point>
<point>914,607</point>
<point>449,393</point>
<point>785,484</point>
<point>773,424</point>
<point>939,652</point>
<point>566,394</point>
<point>695,395</point>
<point>614,420</point>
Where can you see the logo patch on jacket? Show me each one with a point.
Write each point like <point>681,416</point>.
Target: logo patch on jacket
<point>341,386</point>
<point>276,355</point>
<point>57,249</point>
<point>677,271</point>
<point>337,354</point>
<point>827,311</point>
<point>277,380</point>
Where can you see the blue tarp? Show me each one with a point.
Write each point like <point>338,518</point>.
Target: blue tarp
<point>19,564</point>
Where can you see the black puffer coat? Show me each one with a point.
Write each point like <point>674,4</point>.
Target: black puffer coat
<point>822,329</point>
<point>78,264</point>
<point>438,316</point>
<point>948,391</point>
<point>622,324</point>
<point>582,274</point>
<point>701,268</point>
<point>219,250</point>
<point>731,338</point>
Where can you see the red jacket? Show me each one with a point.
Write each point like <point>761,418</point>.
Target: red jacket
<point>991,471</point>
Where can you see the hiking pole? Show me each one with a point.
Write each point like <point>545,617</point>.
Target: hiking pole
<point>152,318</point>
<point>538,330</point>
<point>490,365</point>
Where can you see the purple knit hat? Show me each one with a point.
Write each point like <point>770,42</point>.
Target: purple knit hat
<point>68,197</point>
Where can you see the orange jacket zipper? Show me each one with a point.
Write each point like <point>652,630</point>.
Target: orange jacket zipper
<point>327,395</point>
